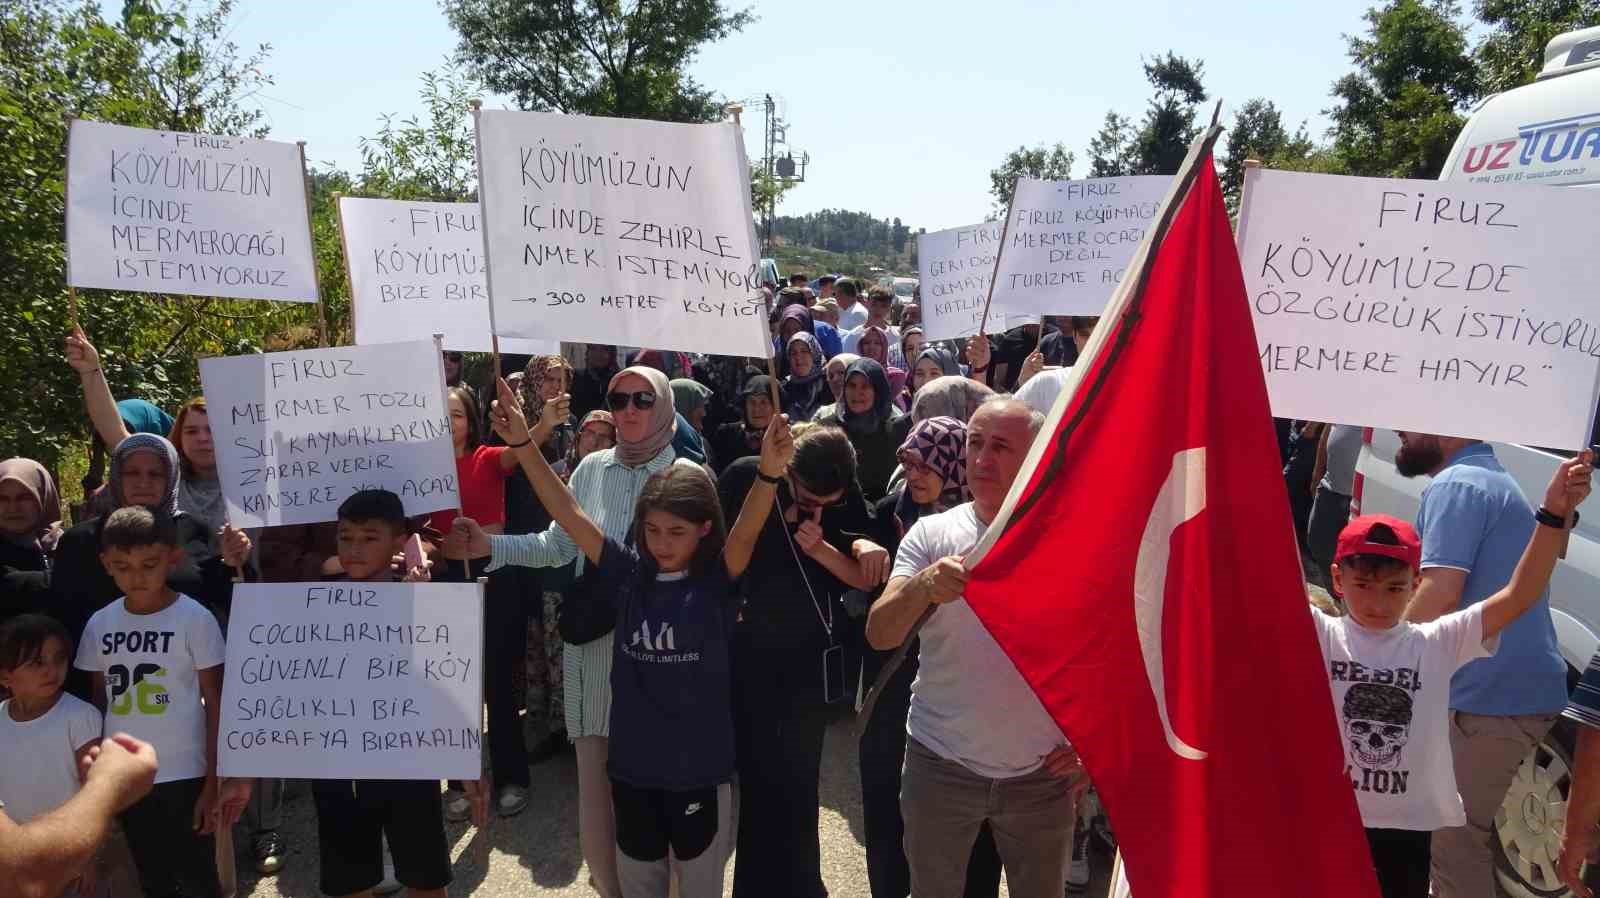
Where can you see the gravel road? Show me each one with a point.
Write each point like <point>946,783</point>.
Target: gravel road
<point>536,852</point>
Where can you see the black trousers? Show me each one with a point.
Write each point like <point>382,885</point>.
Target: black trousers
<point>779,720</point>
<point>1402,858</point>
<point>882,758</point>
<point>505,648</point>
<point>173,860</point>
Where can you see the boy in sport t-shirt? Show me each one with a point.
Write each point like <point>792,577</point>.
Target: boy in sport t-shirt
<point>156,658</point>
<point>1390,678</point>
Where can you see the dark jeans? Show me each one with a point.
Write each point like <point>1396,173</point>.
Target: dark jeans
<point>883,755</point>
<point>173,860</point>
<point>779,720</point>
<point>1401,858</point>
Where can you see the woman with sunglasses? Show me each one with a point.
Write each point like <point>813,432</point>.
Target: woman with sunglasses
<point>788,653</point>
<point>934,458</point>
<point>607,484</point>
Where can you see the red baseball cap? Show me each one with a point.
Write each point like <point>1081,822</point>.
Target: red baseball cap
<point>1356,539</point>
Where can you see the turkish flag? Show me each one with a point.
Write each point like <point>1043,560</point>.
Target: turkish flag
<point>1146,582</point>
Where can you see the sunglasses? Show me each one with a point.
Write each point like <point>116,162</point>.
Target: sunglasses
<point>644,400</point>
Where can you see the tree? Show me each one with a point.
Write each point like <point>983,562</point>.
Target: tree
<point>1398,113</point>
<point>169,67</point>
<point>1169,128</point>
<point>1258,133</point>
<point>595,57</point>
<point>1046,163</point>
<point>1111,151</point>
<point>1512,53</point>
<point>433,159</point>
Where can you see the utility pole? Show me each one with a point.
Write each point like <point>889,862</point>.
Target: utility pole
<point>775,168</point>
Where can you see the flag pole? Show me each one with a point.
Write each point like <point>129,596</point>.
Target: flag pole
<point>311,233</point>
<point>1127,306</point>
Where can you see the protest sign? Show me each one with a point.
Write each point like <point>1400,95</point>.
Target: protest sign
<point>955,266</point>
<point>297,432</point>
<point>1069,242</point>
<point>353,680</point>
<point>416,269</point>
<point>1449,308</point>
<point>620,231</point>
<point>169,212</point>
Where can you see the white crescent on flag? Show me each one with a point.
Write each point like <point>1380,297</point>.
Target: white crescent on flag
<point>1182,496</point>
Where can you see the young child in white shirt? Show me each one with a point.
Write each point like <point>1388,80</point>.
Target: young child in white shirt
<point>1390,678</point>
<point>156,658</point>
<point>44,732</point>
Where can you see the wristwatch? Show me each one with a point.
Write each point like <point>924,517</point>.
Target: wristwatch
<point>1550,519</point>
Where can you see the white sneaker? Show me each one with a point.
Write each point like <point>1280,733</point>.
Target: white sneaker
<point>457,808</point>
<point>1078,869</point>
<point>389,885</point>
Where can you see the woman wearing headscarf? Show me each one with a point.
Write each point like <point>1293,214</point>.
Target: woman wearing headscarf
<point>932,363</point>
<point>950,396</point>
<point>30,525</point>
<point>875,426</point>
<point>834,373</point>
<point>738,439</point>
<point>144,471</point>
<point>874,344</point>
<point>934,456</point>
<point>690,398</point>
<point>606,484</point>
<point>912,341</point>
<point>806,388</point>
<point>796,319</point>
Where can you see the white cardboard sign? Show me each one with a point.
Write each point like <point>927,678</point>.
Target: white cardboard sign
<point>353,681</point>
<point>1070,242</point>
<point>169,212</point>
<point>620,231</point>
<point>416,269</point>
<point>297,432</point>
<point>1449,308</point>
<point>955,266</point>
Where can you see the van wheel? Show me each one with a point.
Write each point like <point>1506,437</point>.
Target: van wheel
<point>1529,824</point>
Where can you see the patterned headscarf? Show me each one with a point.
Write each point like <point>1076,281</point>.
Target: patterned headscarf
<point>941,444</point>
<point>159,446</point>
<point>599,415</point>
<point>817,359</point>
<point>38,482</point>
<point>534,374</point>
<point>662,423</point>
<point>952,397</point>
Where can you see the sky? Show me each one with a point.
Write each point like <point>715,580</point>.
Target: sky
<point>904,108</point>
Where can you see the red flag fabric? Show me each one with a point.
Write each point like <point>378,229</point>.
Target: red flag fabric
<point>1152,596</point>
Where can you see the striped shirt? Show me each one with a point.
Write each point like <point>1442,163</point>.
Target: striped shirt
<point>606,490</point>
<point>1584,705</point>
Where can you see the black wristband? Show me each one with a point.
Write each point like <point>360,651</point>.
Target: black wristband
<point>1550,519</point>
<point>765,479</point>
<point>519,445</point>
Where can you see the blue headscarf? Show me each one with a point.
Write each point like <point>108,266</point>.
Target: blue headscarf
<point>142,416</point>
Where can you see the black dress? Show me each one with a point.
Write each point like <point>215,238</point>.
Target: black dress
<point>25,582</point>
<point>779,710</point>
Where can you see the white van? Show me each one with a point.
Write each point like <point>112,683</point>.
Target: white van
<point>1547,132</point>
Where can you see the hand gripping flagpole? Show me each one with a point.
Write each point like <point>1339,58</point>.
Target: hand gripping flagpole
<point>1127,307</point>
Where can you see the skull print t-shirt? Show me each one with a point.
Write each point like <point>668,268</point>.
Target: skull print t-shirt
<point>151,664</point>
<point>1391,691</point>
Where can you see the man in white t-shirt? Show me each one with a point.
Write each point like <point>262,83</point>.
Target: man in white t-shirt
<point>880,302</point>
<point>852,311</point>
<point>982,747</point>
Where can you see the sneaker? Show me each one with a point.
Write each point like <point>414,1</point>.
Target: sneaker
<point>389,885</point>
<point>457,809</point>
<point>268,853</point>
<point>513,799</point>
<point>1078,869</point>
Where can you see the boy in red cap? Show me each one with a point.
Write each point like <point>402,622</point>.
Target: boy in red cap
<point>1390,678</point>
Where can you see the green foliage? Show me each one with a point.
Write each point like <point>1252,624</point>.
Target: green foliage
<point>874,240</point>
<point>1162,140</point>
<point>161,67</point>
<point>1258,133</point>
<point>1042,162</point>
<point>1110,152</point>
<point>430,159</point>
<point>1400,110</point>
<point>1513,51</point>
<point>595,57</point>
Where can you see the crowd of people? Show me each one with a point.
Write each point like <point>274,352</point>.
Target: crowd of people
<point>694,565</point>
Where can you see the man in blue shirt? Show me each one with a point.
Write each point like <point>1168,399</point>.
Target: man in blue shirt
<point>1475,523</point>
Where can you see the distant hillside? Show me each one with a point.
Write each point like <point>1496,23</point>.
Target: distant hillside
<point>834,240</point>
